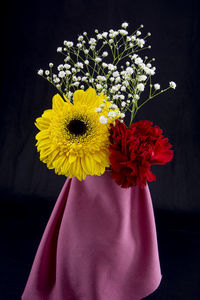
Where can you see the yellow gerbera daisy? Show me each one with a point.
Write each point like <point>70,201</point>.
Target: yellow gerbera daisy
<point>71,139</point>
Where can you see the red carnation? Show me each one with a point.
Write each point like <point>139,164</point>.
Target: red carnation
<point>133,150</point>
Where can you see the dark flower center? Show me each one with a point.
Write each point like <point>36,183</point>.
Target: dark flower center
<point>77,127</point>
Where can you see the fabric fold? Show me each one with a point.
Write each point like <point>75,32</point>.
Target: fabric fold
<point>100,243</point>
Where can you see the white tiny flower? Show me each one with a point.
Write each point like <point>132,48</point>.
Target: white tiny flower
<point>142,78</point>
<point>118,79</point>
<point>123,88</point>
<point>115,74</point>
<point>123,103</point>
<point>86,51</point>
<point>92,41</point>
<point>105,34</point>
<point>86,62</point>
<point>140,42</point>
<point>115,33</point>
<point>112,114</point>
<point>99,86</point>
<point>82,87</point>
<point>125,83</point>
<point>124,25</point>
<point>172,84</point>
<point>50,65</point>
<point>103,120</point>
<point>151,72</point>
<point>99,36</point>
<point>84,78</point>
<point>79,45</point>
<point>105,53</point>
<point>56,80</point>
<point>122,115</point>
<point>134,56</point>
<point>98,59</point>
<point>140,87</point>
<point>113,89</point>
<point>69,95</point>
<point>113,106</point>
<point>68,72</point>
<point>138,33</point>
<point>59,49</point>
<point>129,71</point>
<point>133,38</point>
<point>76,83</point>
<point>138,61</point>
<point>101,78</point>
<point>73,70</point>
<point>123,32</point>
<point>70,44</point>
<point>137,97</point>
<point>102,105</point>
<point>61,74</point>
<point>79,65</point>
<point>80,38</point>
<point>98,110</point>
<point>156,86</point>
<point>92,47</point>
<point>104,65</point>
<point>67,58</point>
<point>111,67</point>
<point>111,41</point>
<point>67,66</point>
<point>47,72</point>
<point>146,70</point>
<point>60,67</point>
<point>40,72</point>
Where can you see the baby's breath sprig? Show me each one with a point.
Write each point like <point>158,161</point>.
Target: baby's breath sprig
<point>110,63</point>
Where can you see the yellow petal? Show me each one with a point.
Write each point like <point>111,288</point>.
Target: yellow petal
<point>88,98</point>
<point>96,157</point>
<point>48,113</point>
<point>78,97</point>
<point>57,103</point>
<point>44,134</point>
<point>84,165</point>
<point>42,123</point>
<point>72,158</point>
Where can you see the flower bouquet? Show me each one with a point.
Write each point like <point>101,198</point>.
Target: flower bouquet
<point>100,242</point>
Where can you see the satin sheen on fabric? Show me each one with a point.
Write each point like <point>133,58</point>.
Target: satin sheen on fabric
<point>99,244</point>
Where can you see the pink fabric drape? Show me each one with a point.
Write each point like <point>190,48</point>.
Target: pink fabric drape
<point>99,244</point>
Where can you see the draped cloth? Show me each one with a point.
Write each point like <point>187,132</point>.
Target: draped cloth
<point>99,244</point>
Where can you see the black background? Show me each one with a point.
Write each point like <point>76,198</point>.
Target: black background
<point>31,33</point>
